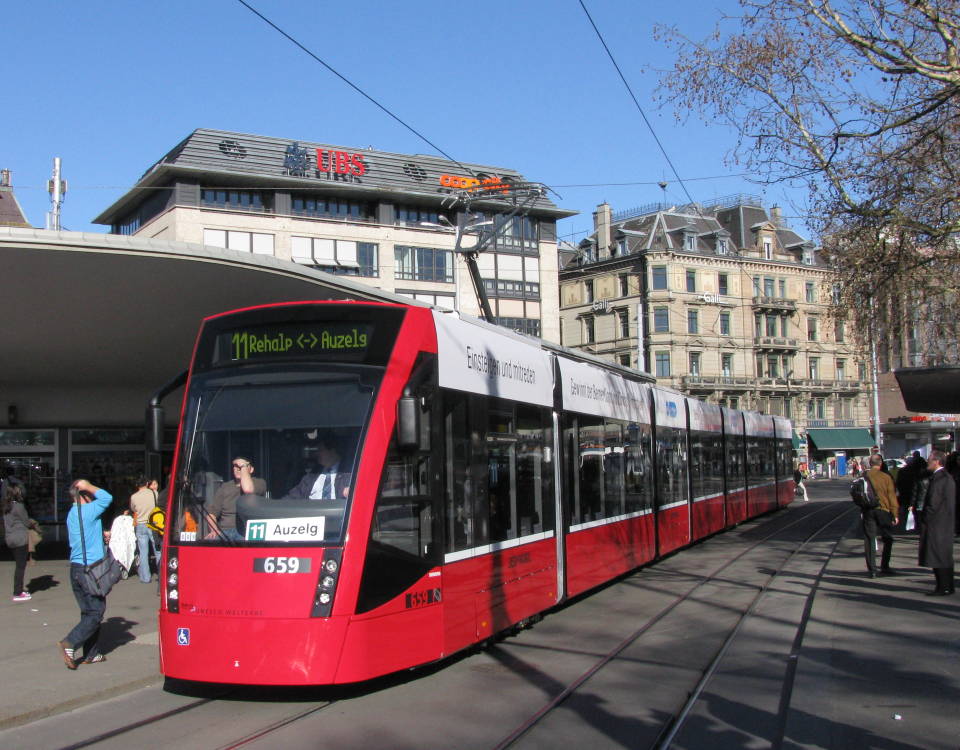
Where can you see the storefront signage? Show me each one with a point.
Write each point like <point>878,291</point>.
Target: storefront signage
<point>475,184</point>
<point>340,166</point>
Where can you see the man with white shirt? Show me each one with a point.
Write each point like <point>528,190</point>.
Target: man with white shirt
<point>327,482</point>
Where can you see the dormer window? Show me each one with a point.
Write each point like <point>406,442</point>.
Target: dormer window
<point>621,247</point>
<point>721,246</point>
<point>768,249</point>
<point>689,241</point>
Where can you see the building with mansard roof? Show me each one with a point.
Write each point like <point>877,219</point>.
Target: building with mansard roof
<point>724,302</point>
<point>384,218</point>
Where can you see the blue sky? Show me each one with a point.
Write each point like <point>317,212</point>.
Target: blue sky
<point>110,86</point>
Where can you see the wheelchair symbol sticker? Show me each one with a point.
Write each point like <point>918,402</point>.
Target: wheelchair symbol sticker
<point>183,636</point>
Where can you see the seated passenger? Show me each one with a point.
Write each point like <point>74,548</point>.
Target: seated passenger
<point>222,510</point>
<point>327,482</point>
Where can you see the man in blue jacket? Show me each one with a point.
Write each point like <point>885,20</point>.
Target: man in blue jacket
<point>89,504</point>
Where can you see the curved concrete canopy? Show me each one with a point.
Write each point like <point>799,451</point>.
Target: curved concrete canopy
<point>105,310</point>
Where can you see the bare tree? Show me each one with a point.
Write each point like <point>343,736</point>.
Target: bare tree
<point>858,101</point>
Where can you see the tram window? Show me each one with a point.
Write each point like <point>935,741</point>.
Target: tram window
<point>698,464</point>
<point>467,471</point>
<point>590,451</point>
<point>612,470</point>
<point>534,475</point>
<point>734,462</point>
<point>672,465</point>
<point>501,474</point>
<point>277,421</point>
<point>638,477</point>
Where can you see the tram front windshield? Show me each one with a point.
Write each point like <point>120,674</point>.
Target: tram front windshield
<point>291,436</point>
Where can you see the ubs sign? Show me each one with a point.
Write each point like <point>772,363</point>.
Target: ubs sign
<point>339,166</point>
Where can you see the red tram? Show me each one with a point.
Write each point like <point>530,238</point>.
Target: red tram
<point>423,481</point>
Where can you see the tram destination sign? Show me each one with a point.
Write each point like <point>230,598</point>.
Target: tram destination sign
<point>328,340</point>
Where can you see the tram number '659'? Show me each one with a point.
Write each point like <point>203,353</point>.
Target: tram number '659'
<point>422,598</point>
<point>281,565</point>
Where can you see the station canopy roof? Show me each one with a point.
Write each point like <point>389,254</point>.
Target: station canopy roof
<point>930,389</point>
<point>840,438</point>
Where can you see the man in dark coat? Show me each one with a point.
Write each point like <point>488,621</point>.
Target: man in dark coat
<point>936,525</point>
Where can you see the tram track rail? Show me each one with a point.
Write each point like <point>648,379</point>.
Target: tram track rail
<point>670,728</point>
<point>674,725</point>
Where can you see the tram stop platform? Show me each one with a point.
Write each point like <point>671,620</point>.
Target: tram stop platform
<point>879,664</point>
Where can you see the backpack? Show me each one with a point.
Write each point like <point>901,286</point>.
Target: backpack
<point>862,493</point>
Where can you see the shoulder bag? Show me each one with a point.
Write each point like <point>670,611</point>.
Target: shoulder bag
<point>98,578</point>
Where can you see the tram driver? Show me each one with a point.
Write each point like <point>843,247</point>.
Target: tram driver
<point>328,480</point>
<point>222,510</point>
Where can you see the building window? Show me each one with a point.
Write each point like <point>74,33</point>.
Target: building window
<point>756,286</point>
<point>773,366</point>
<point>589,332</point>
<point>662,360</point>
<point>807,259</point>
<point>734,402</point>
<point>811,292</point>
<point>689,242</point>
<point>722,284</point>
<point>624,359</point>
<point>771,325</point>
<point>838,332</point>
<point>328,208</point>
<point>768,249</point>
<point>725,323</point>
<point>782,285</point>
<point>841,369</point>
<point>757,325</point>
<point>768,287</point>
<point>784,326</point>
<point>721,246</point>
<point>344,257</point>
<point>726,365</point>
<point>529,326</point>
<point>623,321</point>
<point>447,301</point>
<point>588,291</point>
<point>238,200</point>
<point>693,321</point>
<point>520,232</point>
<point>691,280</point>
<point>658,277</point>
<point>244,242</point>
<point>509,288</point>
<point>814,368</point>
<point>811,328</point>
<point>624,285</point>
<point>661,320</point>
<point>417,215</point>
<point>816,408</point>
<point>694,363</point>
<point>423,264</point>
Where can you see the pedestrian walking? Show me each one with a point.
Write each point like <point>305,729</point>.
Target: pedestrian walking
<point>879,521</point>
<point>89,504</point>
<point>142,503</point>
<point>936,525</point>
<point>16,523</point>
<point>800,486</point>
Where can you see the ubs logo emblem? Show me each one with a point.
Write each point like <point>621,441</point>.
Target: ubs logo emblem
<point>183,636</point>
<point>296,160</point>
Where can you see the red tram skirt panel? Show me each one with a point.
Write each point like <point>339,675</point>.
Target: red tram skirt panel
<point>736,506</point>
<point>673,527</point>
<point>786,491</point>
<point>708,515</point>
<point>489,590</point>
<point>761,499</point>
<point>599,551</point>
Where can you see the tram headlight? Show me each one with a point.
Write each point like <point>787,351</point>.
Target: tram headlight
<point>327,583</point>
<point>172,580</point>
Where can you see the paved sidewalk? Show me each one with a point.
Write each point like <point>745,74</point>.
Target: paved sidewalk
<point>36,682</point>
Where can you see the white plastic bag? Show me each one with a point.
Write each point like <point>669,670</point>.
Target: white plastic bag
<point>911,522</point>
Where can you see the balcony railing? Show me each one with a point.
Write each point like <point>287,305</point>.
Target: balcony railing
<point>775,342</point>
<point>775,303</point>
<point>716,381</point>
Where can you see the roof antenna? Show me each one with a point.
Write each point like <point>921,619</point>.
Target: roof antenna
<point>56,187</point>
